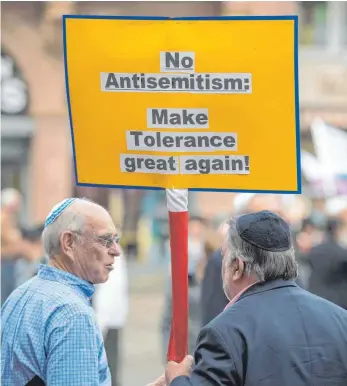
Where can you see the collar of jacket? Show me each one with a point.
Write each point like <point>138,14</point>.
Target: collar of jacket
<point>266,286</point>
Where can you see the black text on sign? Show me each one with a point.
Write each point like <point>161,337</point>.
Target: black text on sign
<point>178,142</point>
<point>132,163</point>
<point>177,118</point>
<point>177,61</point>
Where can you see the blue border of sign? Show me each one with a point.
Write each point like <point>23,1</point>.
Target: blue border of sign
<point>297,104</point>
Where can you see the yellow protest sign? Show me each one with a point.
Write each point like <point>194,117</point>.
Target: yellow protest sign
<point>199,103</point>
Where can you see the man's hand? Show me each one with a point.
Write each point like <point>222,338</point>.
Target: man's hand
<point>159,382</point>
<point>174,369</point>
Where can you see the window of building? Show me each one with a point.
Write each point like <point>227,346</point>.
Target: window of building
<point>313,21</point>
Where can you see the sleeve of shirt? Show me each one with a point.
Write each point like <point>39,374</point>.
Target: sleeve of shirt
<point>73,352</point>
<point>214,364</point>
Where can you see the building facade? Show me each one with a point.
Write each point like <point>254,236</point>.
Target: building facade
<point>36,147</point>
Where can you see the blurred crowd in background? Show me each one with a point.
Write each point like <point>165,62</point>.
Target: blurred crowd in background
<point>37,168</point>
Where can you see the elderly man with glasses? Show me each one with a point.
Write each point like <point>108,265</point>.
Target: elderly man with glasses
<point>49,333</point>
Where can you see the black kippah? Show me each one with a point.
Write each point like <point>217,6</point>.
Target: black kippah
<point>265,230</point>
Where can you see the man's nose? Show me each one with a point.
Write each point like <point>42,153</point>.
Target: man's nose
<point>115,250</point>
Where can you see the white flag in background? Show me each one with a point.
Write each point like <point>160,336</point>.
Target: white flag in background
<point>310,166</point>
<point>331,148</point>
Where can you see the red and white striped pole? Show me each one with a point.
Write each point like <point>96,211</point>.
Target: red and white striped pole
<point>177,204</point>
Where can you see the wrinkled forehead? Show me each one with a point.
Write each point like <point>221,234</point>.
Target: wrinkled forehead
<point>100,221</point>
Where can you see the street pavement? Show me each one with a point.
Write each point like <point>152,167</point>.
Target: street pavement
<point>142,360</point>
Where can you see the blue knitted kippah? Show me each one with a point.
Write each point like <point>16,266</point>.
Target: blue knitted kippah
<point>58,210</point>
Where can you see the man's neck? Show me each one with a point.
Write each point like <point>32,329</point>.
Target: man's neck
<point>239,294</point>
<point>59,264</point>
<point>246,283</point>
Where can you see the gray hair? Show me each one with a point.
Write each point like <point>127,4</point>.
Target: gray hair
<point>266,265</point>
<point>70,220</point>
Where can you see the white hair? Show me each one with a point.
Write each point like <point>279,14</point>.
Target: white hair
<point>70,220</point>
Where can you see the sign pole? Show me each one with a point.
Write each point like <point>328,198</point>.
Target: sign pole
<point>177,204</point>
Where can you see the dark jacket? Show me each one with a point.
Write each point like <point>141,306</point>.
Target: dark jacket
<point>213,299</point>
<point>276,334</point>
<point>328,279</point>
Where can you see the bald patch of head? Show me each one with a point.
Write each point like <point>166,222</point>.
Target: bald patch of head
<point>94,215</point>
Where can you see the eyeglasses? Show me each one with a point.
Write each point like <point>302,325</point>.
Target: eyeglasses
<point>108,241</point>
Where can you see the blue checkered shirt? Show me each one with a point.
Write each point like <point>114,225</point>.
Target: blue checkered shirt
<point>49,330</point>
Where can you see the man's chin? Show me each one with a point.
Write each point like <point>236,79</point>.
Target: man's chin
<point>104,279</point>
<point>101,279</point>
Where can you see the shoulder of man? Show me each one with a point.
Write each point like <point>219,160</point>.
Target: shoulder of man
<point>228,326</point>
<point>57,303</point>
<point>241,317</point>
<point>218,354</point>
<point>66,316</point>
<point>59,293</point>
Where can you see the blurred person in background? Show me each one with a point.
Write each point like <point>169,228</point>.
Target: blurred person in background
<point>14,246</point>
<point>49,331</point>
<point>271,202</point>
<point>196,253</point>
<point>306,229</point>
<point>26,269</point>
<point>212,297</point>
<point>273,332</point>
<point>328,260</point>
<point>318,212</point>
<point>312,233</point>
<point>212,244</point>
<point>311,230</point>
<point>111,304</point>
<point>196,247</point>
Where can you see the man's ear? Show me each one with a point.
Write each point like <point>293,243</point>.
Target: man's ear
<point>67,243</point>
<point>238,269</point>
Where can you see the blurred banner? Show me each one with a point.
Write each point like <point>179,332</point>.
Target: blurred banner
<point>326,173</point>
